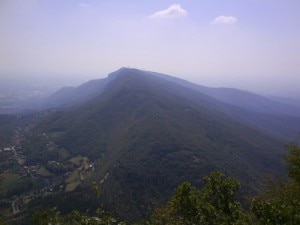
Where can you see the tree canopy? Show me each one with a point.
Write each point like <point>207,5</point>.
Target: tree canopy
<point>214,204</point>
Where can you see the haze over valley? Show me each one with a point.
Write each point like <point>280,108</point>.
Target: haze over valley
<point>135,112</point>
<point>217,43</point>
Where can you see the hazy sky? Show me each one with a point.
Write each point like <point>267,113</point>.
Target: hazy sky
<point>249,44</point>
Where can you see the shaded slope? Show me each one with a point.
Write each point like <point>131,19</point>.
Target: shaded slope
<point>70,96</point>
<point>278,119</point>
<point>240,98</point>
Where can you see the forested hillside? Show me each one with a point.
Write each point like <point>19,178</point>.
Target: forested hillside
<point>135,139</point>
<point>215,203</point>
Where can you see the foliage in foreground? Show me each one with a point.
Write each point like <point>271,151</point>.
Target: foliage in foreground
<point>54,217</point>
<point>214,204</point>
<point>281,204</point>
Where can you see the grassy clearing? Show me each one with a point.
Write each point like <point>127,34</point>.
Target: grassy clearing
<point>75,177</point>
<point>43,172</point>
<point>77,160</point>
<point>72,186</point>
<point>73,181</point>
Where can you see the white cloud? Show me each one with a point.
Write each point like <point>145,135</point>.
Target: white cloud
<point>224,20</point>
<point>83,5</point>
<point>172,11</point>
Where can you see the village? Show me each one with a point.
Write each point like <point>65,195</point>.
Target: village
<point>49,178</point>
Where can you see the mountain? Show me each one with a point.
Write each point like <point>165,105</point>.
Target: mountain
<point>68,96</point>
<point>285,100</point>
<point>240,98</point>
<point>147,135</point>
<point>136,135</point>
<point>277,118</point>
<point>71,96</point>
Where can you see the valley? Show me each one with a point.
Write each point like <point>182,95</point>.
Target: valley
<point>22,96</point>
<point>23,181</point>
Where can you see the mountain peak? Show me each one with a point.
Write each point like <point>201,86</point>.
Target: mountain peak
<point>124,71</point>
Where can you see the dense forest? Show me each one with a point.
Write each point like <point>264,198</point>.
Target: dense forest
<point>215,203</point>
<point>135,136</point>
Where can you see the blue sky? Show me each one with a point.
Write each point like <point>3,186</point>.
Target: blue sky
<point>249,44</point>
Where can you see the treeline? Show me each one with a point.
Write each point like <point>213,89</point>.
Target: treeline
<point>214,204</point>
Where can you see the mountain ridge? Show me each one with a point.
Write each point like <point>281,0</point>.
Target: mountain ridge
<point>144,135</point>
<point>150,135</point>
<point>232,96</point>
<point>262,113</point>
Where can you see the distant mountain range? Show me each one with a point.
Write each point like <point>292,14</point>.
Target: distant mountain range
<point>150,132</point>
<point>282,106</point>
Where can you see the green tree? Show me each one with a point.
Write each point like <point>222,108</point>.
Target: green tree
<point>54,217</point>
<point>220,205</point>
<point>46,217</point>
<point>184,203</point>
<point>281,204</point>
<point>214,204</point>
<point>293,163</point>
